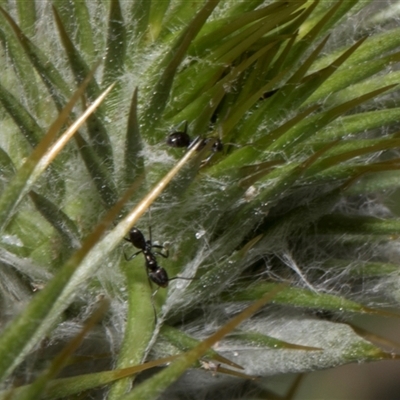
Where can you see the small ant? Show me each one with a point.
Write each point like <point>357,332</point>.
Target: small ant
<point>182,139</point>
<point>156,274</point>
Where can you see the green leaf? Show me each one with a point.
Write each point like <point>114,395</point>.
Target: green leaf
<point>62,387</point>
<point>116,45</point>
<point>151,388</point>
<point>209,100</point>
<point>339,344</point>
<point>356,225</point>
<point>100,175</point>
<point>55,84</point>
<point>134,162</point>
<point>139,327</point>
<point>361,268</point>
<point>376,182</point>
<point>276,104</point>
<point>84,30</point>
<point>58,219</point>
<point>138,21</point>
<point>158,10</point>
<point>250,154</point>
<point>296,297</point>
<point>185,342</point>
<point>374,46</point>
<point>7,168</point>
<point>259,339</point>
<point>38,387</point>
<point>218,59</point>
<point>27,16</point>
<point>222,28</point>
<point>351,149</point>
<point>20,62</point>
<point>40,314</point>
<point>77,63</point>
<point>345,77</point>
<point>100,140</point>
<point>19,336</point>
<point>171,62</point>
<point>34,165</point>
<point>21,116</point>
<point>358,123</point>
<point>306,129</point>
<point>342,11</point>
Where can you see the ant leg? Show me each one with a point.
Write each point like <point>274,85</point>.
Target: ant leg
<point>157,246</point>
<point>164,254</point>
<point>182,277</point>
<point>206,160</point>
<point>132,256</point>
<point>152,303</point>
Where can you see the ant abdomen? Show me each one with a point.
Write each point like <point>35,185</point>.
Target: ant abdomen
<point>159,276</point>
<point>178,139</point>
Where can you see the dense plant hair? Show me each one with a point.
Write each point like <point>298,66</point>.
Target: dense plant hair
<point>286,193</point>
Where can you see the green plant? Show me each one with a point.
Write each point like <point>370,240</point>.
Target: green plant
<point>308,122</point>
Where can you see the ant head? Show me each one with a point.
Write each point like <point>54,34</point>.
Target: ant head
<point>159,277</point>
<point>216,146</point>
<point>136,238</point>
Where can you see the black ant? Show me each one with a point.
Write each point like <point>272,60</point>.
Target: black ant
<point>156,274</point>
<point>182,139</point>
